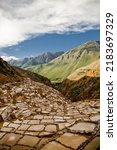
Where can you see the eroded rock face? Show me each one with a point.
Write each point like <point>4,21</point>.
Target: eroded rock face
<point>35,116</point>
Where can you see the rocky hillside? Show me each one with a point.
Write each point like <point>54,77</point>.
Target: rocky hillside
<point>8,73</point>
<point>83,84</point>
<point>35,116</point>
<point>11,74</point>
<point>41,59</point>
<point>60,68</point>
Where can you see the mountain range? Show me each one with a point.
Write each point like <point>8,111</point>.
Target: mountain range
<point>61,67</point>
<point>29,61</point>
<point>76,73</point>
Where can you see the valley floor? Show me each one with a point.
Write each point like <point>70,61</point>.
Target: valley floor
<point>34,116</point>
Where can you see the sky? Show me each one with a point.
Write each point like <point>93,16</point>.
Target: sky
<point>31,27</point>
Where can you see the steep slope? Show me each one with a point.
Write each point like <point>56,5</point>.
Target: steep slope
<point>82,84</point>
<point>60,68</point>
<point>11,74</point>
<point>8,73</point>
<point>91,70</point>
<point>41,59</point>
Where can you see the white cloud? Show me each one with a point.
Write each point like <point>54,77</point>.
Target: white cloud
<point>20,20</point>
<point>8,58</point>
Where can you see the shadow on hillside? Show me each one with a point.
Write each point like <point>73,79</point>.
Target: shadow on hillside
<point>14,74</point>
<point>85,88</point>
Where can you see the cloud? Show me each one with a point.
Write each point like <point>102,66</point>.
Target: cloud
<point>8,58</point>
<point>24,19</point>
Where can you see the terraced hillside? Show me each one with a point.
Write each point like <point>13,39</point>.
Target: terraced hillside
<point>60,68</point>
<point>34,116</point>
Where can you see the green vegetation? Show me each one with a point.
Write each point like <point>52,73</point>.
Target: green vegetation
<point>59,72</point>
<point>60,68</point>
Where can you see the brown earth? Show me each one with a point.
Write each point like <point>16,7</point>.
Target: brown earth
<point>83,84</point>
<point>11,74</point>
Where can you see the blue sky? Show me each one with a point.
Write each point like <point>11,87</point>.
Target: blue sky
<point>51,43</point>
<point>31,27</point>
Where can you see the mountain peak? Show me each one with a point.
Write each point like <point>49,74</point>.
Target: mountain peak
<point>78,52</point>
<point>40,59</point>
<point>61,67</point>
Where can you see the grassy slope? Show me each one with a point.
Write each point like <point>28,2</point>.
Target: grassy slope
<point>60,71</point>
<point>60,68</point>
<point>92,69</point>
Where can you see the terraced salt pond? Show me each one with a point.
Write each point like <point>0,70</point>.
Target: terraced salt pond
<point>49,122</point>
